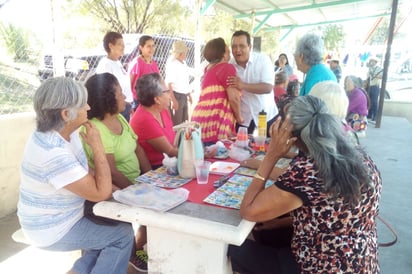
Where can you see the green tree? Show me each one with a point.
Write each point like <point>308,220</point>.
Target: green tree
<point>333,36</point>
<point>137,16</point>
<point>16,41</point>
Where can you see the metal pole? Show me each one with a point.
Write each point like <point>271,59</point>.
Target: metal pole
<point>386,62</point>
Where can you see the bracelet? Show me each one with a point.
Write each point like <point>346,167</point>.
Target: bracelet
<point>257,176</point>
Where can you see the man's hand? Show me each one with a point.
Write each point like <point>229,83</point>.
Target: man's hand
<point>235,82</point>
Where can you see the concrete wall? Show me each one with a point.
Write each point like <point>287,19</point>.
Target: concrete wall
<point>15,129</point>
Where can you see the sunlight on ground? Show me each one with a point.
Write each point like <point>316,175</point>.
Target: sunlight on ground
<point>37,261</point>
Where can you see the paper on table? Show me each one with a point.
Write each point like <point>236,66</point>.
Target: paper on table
<point>223,168</point>
<point>152,197</point>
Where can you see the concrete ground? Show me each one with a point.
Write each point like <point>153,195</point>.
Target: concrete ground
<point>391,148</point>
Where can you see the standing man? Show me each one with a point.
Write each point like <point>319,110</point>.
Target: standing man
<point>177,81</point>
<point>374,80</point>
<point>255,79</point>
<point>335,68</point>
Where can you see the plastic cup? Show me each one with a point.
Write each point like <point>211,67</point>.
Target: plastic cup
<point>202,171</point>
<point>242,139</point>
<point>260,143</point>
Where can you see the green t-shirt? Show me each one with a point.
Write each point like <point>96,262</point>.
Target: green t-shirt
<point>123,147</point>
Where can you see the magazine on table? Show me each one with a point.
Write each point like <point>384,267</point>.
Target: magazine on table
<point>152,197</point>
<point>231,193</point>
<point>160,178</point>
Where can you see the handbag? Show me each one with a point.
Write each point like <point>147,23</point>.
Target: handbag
<point>357,122</point>
<point>190,148</point>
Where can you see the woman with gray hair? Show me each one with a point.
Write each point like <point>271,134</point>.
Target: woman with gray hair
<point>357,114</point>
<point>308,57</point>
<point>332,191</point>
<point>151,121</point>
<point>56,180</point>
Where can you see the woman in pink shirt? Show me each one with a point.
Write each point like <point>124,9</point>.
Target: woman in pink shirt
<point>151,120</point>
<point>142,64</point>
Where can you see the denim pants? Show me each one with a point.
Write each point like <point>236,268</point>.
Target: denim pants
<point>106,249</point>
<point>374,96</point>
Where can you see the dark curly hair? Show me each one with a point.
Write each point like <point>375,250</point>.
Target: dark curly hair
<point>101,89</point>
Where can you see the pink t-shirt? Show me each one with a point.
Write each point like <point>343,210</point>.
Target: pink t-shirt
<point>147,127</point>
<point>139,69</point>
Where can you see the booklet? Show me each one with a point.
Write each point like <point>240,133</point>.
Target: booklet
<point>160,178</point>
<point>152,197</point>
<point>231,193</point>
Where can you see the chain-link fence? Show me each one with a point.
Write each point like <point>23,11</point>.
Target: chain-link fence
<point>24,62</point>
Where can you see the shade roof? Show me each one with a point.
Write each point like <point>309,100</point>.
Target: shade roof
<point>291,14</point>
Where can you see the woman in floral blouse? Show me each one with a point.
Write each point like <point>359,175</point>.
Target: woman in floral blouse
<point>332,191</point>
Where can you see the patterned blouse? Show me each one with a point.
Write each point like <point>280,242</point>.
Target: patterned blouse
<point>330,236</point>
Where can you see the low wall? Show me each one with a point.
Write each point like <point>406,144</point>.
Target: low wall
<point>398,109</point>
<point>15,130</point>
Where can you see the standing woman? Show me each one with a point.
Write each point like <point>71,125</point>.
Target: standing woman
<point>142,64</point>
<point>219,104</point>
<point>114,46</point>
<point>308,58</point>
<point>56,180</point>
<point>282,64</point>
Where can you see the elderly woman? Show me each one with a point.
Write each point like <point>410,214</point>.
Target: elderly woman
<point>357,114</point>
<point>178,82</point>
<point>55,182</point>
<point>151,120</point>
<point>337,102</point>
<point>332,191</point>
<point>282,64</point>
<point>308,58</point>
<point>114,46</point>
<point>219,104</point>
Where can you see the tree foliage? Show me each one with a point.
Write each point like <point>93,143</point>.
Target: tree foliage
<point>136,16</point>
<point>333,36</point>
<point>16,41</point>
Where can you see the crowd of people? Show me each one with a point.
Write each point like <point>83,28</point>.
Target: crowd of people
<point>92,139</point>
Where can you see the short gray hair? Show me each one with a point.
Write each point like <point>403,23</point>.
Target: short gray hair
<point>334,97</point>
<point>338,161</point>
<point>148,87</point>
<point>55,95</point>
<point>311,47</point>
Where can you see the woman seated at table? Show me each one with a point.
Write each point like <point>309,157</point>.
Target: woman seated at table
<point>219,105</point>
<point>151,120</point>
<point>125,156</point>
<point>357,115</point>
<point>332,191</point>
<point>56,180</point>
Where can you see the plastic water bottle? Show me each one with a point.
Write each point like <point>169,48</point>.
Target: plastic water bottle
<point>262,125</point>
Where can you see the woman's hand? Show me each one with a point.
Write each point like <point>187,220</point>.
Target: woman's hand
<point>281,137</point>
<point>91,136</point>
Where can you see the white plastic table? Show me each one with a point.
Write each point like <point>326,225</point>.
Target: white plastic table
<point>191,238</point>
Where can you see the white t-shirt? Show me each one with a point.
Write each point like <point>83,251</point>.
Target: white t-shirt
<point>258,70</point>
<point>177,73</point>
<point>116,68</point>
<point>46,210</point>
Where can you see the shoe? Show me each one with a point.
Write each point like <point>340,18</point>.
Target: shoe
<point>139,262</point>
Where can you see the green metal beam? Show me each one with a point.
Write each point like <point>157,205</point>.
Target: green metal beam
<point>298,8</point>
<point>325,22</point>
<point>207,5</point>
<point>261,23</point>
<point>286,34</point>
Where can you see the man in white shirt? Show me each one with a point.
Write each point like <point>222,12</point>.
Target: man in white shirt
<point>177,80</point>
<point>255,78</point>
